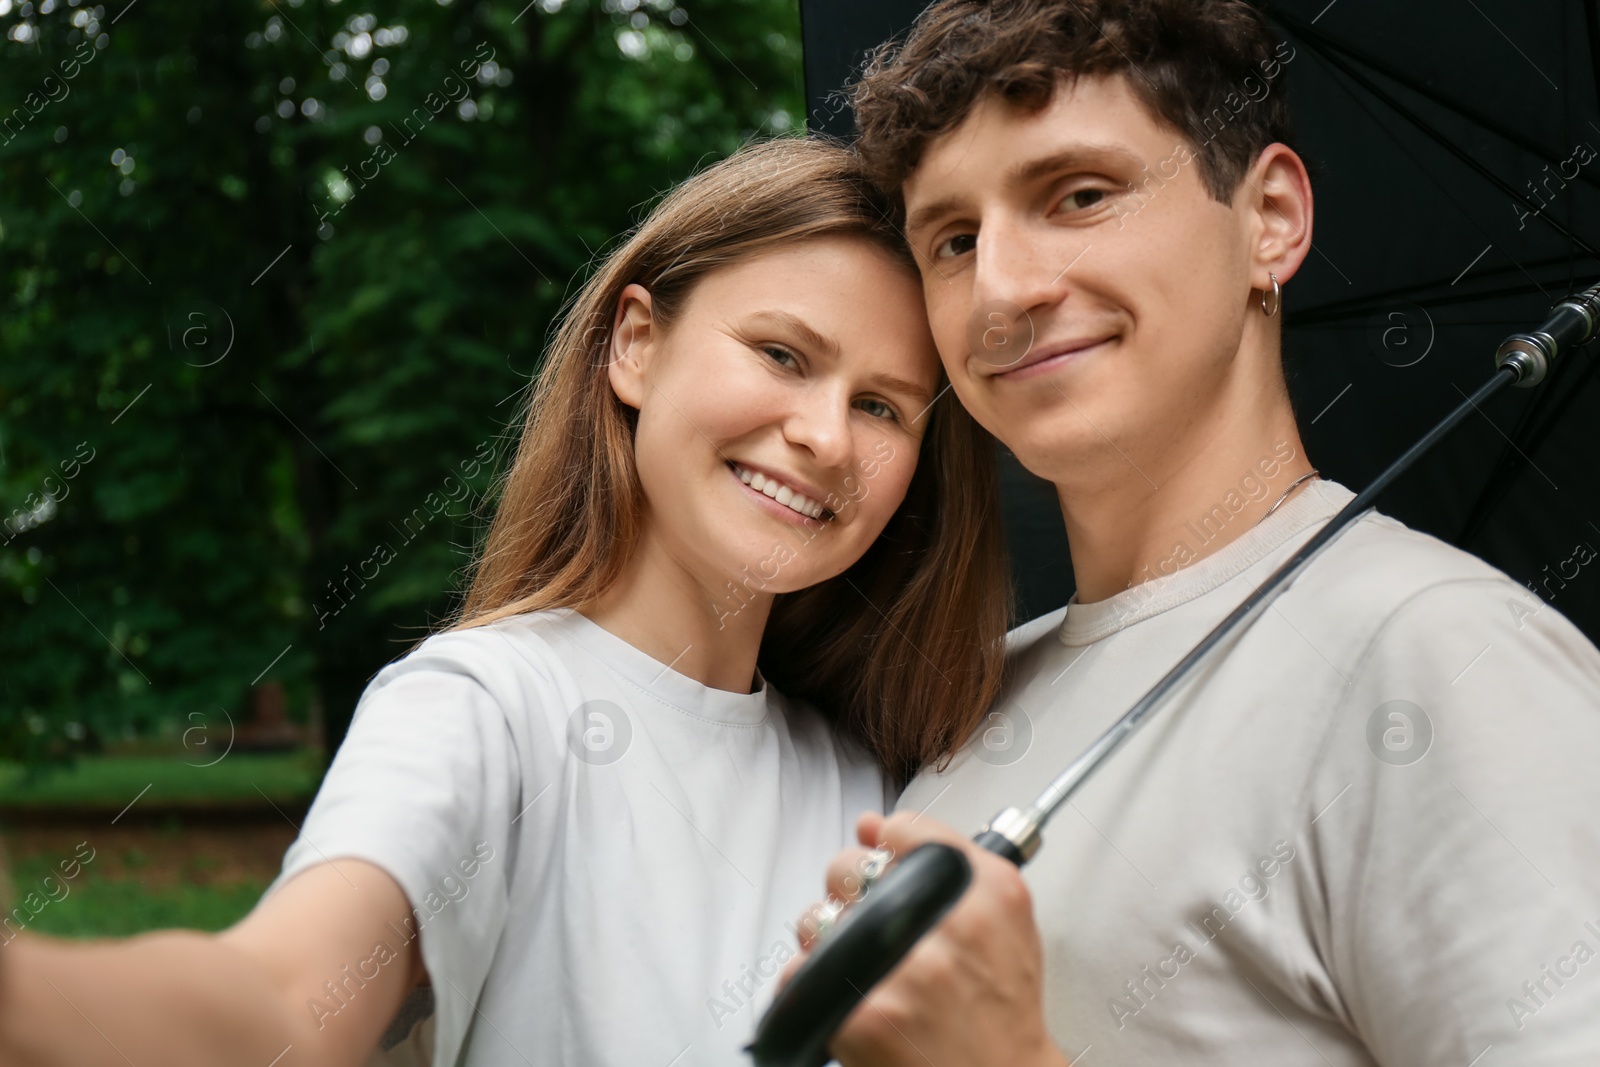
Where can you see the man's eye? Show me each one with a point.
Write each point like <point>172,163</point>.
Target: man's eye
<point>878,409</point>
<point>959,245</point>
<point>1083,198</point>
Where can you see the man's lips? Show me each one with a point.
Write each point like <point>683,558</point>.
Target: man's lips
<point>1043,359</point>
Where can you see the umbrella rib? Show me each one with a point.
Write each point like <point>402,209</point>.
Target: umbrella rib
<point>1527,437</point>
<point>1444,142</point>
<point>1535,424</point>
<point>1406,151</point>
<point>1435,292</point>
<point>1539,418</point>
<point>1471,220</point>
<point>1422,89</point>
<point>1591,17</point>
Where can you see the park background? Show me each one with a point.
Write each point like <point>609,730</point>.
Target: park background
<point>275,276</point>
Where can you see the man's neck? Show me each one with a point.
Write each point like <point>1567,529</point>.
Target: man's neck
<point>1127,530</point>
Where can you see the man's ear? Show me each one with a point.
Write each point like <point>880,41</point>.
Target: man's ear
<point>1279,190</point>
<point>633,342</point>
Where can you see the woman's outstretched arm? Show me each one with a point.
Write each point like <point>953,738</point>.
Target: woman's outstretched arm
<point>291,985</point>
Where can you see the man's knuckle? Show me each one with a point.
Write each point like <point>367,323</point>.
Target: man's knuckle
<point>1019,896</point>
<point>1010,889</point>
<point>932,968</point>
<point>892,1015</point>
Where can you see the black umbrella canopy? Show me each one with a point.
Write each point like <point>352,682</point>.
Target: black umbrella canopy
<point>1455,154</point>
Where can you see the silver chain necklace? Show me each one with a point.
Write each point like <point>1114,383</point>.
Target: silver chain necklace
<point>1286,492</point>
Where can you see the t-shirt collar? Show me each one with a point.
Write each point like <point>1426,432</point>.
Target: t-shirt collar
<point>658,680</point>
<point>1087,623</point>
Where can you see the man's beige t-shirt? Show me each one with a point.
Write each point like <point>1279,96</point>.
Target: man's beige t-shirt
<point>1367,833</point>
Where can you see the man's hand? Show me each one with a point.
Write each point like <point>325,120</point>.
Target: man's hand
<point>971,991</point>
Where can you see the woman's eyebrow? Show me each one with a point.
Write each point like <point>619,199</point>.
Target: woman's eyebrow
<point>812,339</point>
<point>800,328</point>
<point>895,384</point>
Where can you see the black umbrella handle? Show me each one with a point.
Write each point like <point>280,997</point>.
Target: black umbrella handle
<point>873,936</point>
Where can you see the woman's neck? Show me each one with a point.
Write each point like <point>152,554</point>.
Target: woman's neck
<point>659,607</point>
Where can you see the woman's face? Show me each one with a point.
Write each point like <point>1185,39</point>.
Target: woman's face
<point>780,415</point>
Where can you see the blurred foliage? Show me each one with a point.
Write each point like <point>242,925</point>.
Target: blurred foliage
<point>274,275</point>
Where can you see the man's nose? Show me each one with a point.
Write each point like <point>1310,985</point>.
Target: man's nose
<point>1013,267</point>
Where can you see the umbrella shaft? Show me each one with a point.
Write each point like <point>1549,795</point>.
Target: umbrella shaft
<point>1068,781</point>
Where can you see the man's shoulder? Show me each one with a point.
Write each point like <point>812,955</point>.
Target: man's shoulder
<point>1381,556</point>
<point>1405,610</point>
<point>1376,577</point>
<point>1380,569</point>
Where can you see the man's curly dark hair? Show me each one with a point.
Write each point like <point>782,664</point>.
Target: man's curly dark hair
<point>1209,69</point>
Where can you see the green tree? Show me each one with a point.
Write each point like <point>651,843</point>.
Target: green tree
<point>274,277</point>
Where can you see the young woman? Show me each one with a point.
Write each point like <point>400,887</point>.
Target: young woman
<point>744,579</point>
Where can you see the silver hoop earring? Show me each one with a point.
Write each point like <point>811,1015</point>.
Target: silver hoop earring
<point>1277,298</point>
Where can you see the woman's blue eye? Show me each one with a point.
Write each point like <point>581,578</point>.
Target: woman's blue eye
<point>887,412</point>
<point>779,354</point>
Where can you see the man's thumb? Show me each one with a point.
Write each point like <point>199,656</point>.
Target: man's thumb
<point>869,829</point>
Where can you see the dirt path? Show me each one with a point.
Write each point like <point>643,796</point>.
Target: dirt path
<point>160,856</point>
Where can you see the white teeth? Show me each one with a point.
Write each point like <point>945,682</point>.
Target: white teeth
<point>783,494</point>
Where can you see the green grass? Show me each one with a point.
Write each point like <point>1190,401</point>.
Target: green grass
<point>115,780</point>
<point>98,906</point>
<point>102,907</point>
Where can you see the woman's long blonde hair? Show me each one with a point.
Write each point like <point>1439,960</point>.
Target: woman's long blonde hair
<point>903,651</point>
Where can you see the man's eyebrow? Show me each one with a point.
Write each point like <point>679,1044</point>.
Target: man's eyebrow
<point>1078,155</point>
<point>926,215</point>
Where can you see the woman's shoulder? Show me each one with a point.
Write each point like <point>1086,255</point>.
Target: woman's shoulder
<point>512,651</point>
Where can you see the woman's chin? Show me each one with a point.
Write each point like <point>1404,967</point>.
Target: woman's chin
<point>769,566</point>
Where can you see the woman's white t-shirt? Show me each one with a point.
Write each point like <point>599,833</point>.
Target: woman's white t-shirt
<point>604,858</point>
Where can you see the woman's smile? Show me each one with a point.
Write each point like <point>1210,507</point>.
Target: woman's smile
<point>764,485</point>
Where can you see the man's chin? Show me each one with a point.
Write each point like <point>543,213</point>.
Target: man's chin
<point>1052,436</point>
<point>1058,451</point>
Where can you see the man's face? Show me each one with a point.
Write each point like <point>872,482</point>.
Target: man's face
<point>1086,292</point>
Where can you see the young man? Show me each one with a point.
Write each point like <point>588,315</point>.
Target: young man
<point>1369,831</point>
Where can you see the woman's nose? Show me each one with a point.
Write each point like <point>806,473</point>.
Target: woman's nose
<point>820,423</point>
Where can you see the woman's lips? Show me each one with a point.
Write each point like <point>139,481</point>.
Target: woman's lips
<point>777,510</point>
